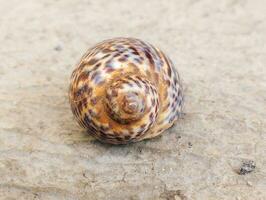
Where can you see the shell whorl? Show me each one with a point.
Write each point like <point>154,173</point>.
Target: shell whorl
<point>124,90</point>
<point>130,97</point>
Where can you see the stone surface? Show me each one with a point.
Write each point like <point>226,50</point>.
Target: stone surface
<point>219,49</point>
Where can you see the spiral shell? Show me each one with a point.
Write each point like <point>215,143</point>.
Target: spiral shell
<point>125,90</point>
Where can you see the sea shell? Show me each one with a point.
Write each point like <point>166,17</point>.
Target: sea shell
<point>125,90</point>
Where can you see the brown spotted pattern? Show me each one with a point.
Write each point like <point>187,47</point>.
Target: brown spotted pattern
<point>125,90</point>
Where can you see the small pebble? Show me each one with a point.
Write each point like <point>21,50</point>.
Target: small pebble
<point>58,48</point>
<point>247,167</point>
<point>189,144</point>
<point>249,183</point>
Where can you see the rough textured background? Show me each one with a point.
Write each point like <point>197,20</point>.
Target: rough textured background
<point>219,49</point>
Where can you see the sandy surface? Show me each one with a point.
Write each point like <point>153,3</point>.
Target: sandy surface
<point>219,49</point>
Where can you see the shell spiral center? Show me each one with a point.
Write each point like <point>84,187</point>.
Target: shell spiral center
<point>129,98</point>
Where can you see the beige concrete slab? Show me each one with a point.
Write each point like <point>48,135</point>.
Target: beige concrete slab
<point>219,49</point>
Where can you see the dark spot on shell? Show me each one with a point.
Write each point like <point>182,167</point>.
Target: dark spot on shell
<point>169,71</point>
<point>142,81</point>
<point>151,117</point>
<point>154,49</point>
<point>156,108</point>
<point>94,75</point>
<point>148,55</point>
<point>114,93</point>
<point>172,119</point>
<point>130,84</point>
<point>101,82</point>
<point>175,81</point>
<point>109,69</point>
<point>139,133</point>
<point>138,60</point>
<point>92,61</point>
<point>84,102</point>
<point>109,97</point>
<point>124,81</point>
<point>106,50</point>
<point>152,90</point>
<point>134,50</point>
<point>136,93</point>
<point>119,139</point>
<point>82,77</point>
<point>179,93</point>
<point>138,83</point>
<point>138,77</point>
<point>87,120</point>
<point>130,78</point>
<point>143,126</point>
<point>173,105</point>
<point>76,111</point>
<point>102,133</point>
<point>180,102</point>
<point>108,138</point>
<point>117,54</point>
<point>153,102</point>
<point>147,90</point>
<point>89,91</point>
<point>80,91</point>
<point>127,137</point>
<point>166,60</point>
<point>122,59</point>
<point>121,51</point>
<point>94,100</point>
<point>96,66</point>
<point>91,130</point>
<point>119,46</point>
<point>135,53</point>
<point>110,135</point>
<point>105,56</point>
